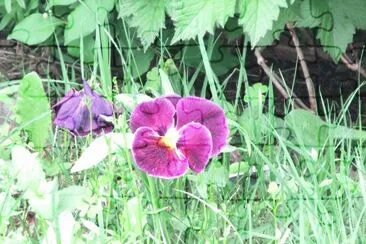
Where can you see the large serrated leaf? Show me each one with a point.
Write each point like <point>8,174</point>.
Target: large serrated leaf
<point>147,16</point>
<point>35,29</point>
<point>196,17</point>
<point>336,30</point>
<point>258,16</point>
<point>33,109</point>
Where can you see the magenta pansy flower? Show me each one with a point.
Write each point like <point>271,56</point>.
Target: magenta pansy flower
<point>82,112</point>
<point>174,134</point>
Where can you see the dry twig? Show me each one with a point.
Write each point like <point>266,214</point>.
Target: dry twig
<point>276,81</point>
<point>353,66</point>
<point>304,68</point>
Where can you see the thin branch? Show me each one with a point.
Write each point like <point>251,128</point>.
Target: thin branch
<point>309,82</point>
<point>353,66</point>
<point>276,81</point>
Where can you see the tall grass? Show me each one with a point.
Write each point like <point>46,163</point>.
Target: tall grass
<point>320,196</point>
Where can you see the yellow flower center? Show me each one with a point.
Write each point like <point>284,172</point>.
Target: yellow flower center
<point>170,139</point>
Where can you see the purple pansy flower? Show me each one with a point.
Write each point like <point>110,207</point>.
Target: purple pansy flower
<point>172,134</point>
<point>82,112</point>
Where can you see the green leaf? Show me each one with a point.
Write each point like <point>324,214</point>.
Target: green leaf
<point>33,109</point>
<point>287,15</point>
<point>21,3</point>
<point>35,28</point>
<point>222,60</point>
<point>26,169</point>
<point>83,20</point>
<point>310,130</point>
<point>147,16</point>
<point>71,198</point>
<point>140,63</point>
<point>355,11</point>
<point>311,12</point>
<point>336,21</point>
<point>100,148</point>
<point>61,2</point>
<point>8,6</point>
<point>258,16</point>
<point>88,48</point>
<point>336,31</point>
<point>196,17</point>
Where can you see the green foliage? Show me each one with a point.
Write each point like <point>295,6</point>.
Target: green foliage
<point>33,110</point>
<point>194,18</point>
<point>83,20</point>
<point>61,2</point>
<point>258,16</point>
<point>262,21</point>
<point>310,130</point>
<point>35,28</point>
<point>147,16</point>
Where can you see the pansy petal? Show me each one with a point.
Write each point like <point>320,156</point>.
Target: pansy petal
<point>205,112</point>
<point>173,99</point>
<point>195,143</point>
<point>155,159</point>
<point>157,114</point>
<point>62,107</point>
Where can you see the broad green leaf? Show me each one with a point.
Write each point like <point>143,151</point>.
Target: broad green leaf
<point>336,31</point>
<point>26,169</point>
<point>222,60</point>
<point>238,169</point>
<point>147,16</point>
<point>287,15</point>
<point>308,128</point>
<point>71,198</point>
<point>8,6</point>
<point>196,17</point>
<point>355,11</point>
<point>100,148</point>
<point>88,48</point>
<point>336,21</point>
<point>311,13</point>
<point>33,109</point>
<point>35,28</point>
<point>311,131</point>
<point>140,62</point>
<point>83,20</point>
<point>258,16</point>
<point>61,2</point>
